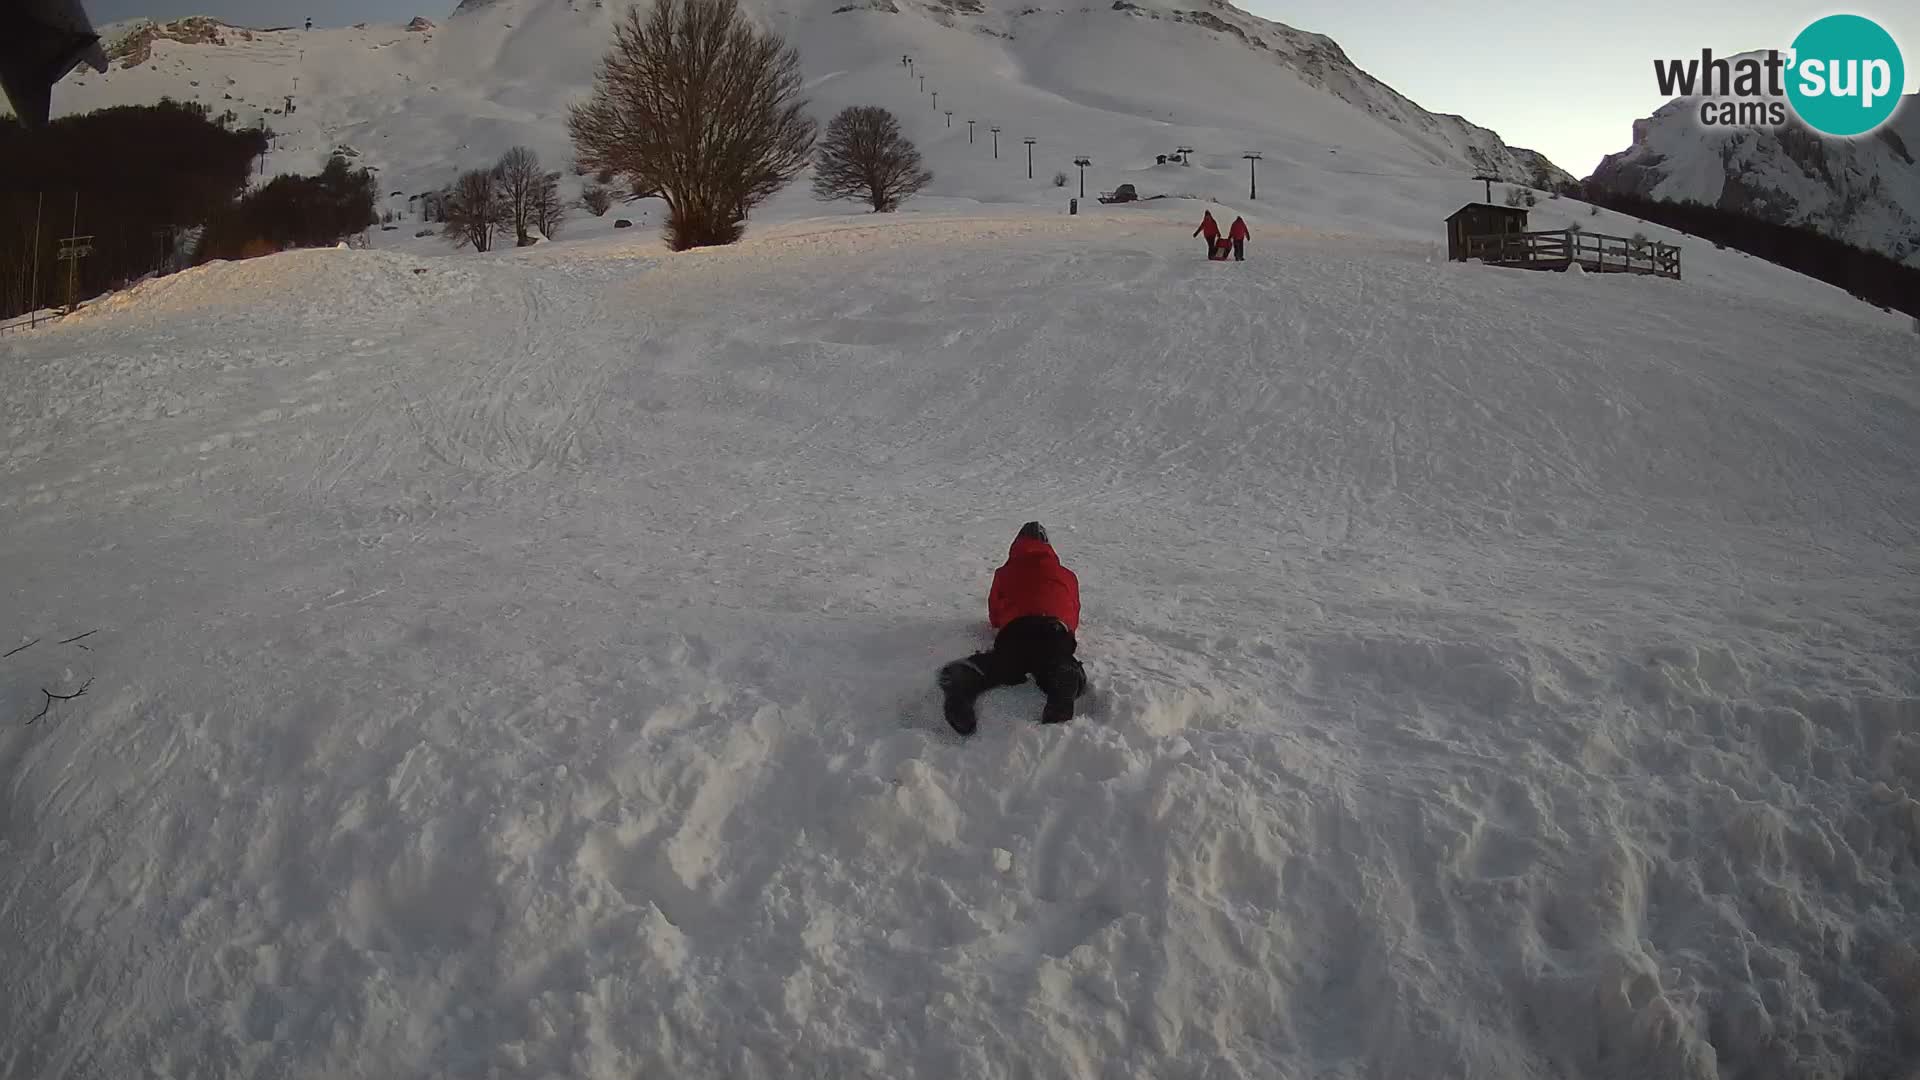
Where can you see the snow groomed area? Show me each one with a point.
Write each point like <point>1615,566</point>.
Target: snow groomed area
<point>523,667</point>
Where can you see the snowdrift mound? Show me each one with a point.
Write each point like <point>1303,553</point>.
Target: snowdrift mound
<point>523,668</point>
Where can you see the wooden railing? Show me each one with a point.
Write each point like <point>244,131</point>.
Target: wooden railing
<point>1597,252</point>
<point>24,322</point>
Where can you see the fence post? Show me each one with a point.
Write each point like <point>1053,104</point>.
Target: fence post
<point>33,302</point>
<point>73,264</point>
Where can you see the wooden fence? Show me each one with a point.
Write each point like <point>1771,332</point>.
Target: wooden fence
<point>1596,252</point>
<point>28,321</point>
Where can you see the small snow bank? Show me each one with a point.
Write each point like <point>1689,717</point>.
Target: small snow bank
<point>314,280</point>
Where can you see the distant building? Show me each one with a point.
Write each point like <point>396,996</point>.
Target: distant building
<point>1498,236</point>
<point>1481,219</point>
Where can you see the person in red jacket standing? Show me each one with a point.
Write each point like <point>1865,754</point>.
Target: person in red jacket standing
<point>1035,607</point>
<point>1237,233</point>
<point>1210,229</point>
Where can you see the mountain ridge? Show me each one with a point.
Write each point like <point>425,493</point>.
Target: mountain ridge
<point>1864,190</point>
<point>532,57</point>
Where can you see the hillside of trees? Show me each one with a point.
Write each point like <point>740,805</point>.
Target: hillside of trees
<point>1876,278</point>
<point>138,171</point>
<point>145,179</point>
<point>293,211</point>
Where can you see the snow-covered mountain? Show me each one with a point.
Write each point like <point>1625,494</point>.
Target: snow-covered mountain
<point>422,103</point>
<point>1865,191</point>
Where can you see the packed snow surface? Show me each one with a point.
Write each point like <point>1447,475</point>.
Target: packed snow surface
<point>519,665</point>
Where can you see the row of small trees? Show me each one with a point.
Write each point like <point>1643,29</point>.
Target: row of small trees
<point>514,195</point>
<point>696,105</point>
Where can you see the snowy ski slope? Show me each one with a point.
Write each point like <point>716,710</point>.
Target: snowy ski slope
<point>519,665</point>
<point>519,668</point>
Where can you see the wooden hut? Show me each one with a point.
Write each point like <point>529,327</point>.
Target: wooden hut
<point>1498,236</point>
<point>1481,219</point>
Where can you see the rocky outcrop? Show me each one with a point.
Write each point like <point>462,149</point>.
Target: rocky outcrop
<point>136,46</point>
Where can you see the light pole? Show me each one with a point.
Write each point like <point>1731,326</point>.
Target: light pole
<point>1029,143</point>
<point>969,133</point>
<point>1253,183</point>
<point>936,101</point>
<point>949,117</point>
<point>996,142</point>
<point>1083,163</point>
<point>923,84</point>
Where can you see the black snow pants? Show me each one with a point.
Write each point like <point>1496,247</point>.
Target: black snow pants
<point>1032,645</point>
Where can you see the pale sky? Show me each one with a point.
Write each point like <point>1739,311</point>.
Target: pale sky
<point>1565,79</point>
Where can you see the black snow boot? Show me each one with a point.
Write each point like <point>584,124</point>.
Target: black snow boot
<point>1062,685</point>
<point>1057,710</point>
<point>961,682</point>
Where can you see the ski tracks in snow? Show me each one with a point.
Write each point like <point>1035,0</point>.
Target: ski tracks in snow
<point>524,695</point>
<point>526,406</point>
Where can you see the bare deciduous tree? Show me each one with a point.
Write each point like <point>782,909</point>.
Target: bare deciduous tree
<point>697,105</point>
<point>521,182</point>
<point>864,156</point>
<point>597,199</point>
<point>548,210</point>
<point>473,210</point>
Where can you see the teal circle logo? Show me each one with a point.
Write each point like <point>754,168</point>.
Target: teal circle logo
<point>1847,75</point>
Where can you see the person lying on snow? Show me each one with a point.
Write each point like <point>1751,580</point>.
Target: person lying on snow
<point>1035,606</point>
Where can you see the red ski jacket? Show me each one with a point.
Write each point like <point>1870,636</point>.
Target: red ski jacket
<point>1032,582</point>
<point>1238,231</point>
<point>1209,228</point>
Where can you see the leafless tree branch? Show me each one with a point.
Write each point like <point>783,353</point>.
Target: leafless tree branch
<point>53,697</point>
